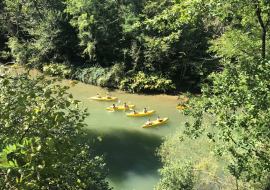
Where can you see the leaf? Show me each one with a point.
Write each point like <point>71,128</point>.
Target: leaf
<point>6,82</point>
<point>12,93</point>
<point>75,81</point>
<point>11,163</point>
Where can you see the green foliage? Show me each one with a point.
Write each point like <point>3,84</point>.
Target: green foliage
<point>140,82</point>
<point>4,53</point>
<point>154,8</point>
<point>88,75</point>
<point>84,34</point>
<point>117,78</point>
<point>187,163</point>
<point>176,175</point>
<point>98,23</point>
<point>238,100</point>
<point>96,75</point>
<point>175,42</point>
<point>56,69</point>
<point>190,164</point>
<point>35,30</point>
<point>18,50</point>
<point>248,23</point>
<point>41,137</point>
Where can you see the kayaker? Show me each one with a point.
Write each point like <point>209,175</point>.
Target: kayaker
<point>134,112</point>
<point>98,96</point>
<point>148,122</point>
<point>144,110</point>
<point>159,119</point>
<point>125,105</point>
<point>108,96</point>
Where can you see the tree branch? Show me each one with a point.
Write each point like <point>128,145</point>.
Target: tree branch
<point>6,177</point>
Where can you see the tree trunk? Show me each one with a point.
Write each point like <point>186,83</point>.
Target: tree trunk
<point>263,43</point>
<point>263,26</point>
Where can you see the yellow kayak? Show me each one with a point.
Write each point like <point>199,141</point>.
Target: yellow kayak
<point>141,113</point>
<point>120,107</point>
<point>182,107</point>
<point>156,122</point>
<point>103,98</point>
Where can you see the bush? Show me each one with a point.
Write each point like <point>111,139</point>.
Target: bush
<point>140,81</point>
<point>116,77</point>
<point>41,143</point>
<point>110,77</point>
<point>56,69</point>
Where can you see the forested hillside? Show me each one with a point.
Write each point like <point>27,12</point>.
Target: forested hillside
<point>231,118</point>
<point>220,47</point>
<point>110,43</point>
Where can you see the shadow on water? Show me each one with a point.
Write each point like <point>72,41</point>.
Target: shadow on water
<point>128,151</point>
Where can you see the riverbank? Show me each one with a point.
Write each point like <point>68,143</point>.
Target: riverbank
<point>179,92</point>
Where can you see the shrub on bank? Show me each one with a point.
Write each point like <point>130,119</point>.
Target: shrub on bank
<point>116,77</point>
<point>140,81</point>
<point>96,75</point>
<point>56,69</point>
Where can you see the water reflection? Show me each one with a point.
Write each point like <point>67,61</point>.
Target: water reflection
<point>128,151</point>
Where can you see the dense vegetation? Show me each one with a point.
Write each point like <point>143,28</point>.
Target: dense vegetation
<point>233,111</point>
<point>138,45</point>
<point>41,137</point>
<point>107,42</point>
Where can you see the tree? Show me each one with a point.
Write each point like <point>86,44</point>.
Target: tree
<point>41,137</point>
<point>238,102</point>
<point>249,18</point>
<point>38,32</point>
<point>189,164</point>
<point>99,26</point>
<point>176,41</point>
<point>238,97</point>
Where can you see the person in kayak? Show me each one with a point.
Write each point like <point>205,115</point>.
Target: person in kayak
<point>159,119</point>
<point>148,122</point>
<point>98,96</point>
<point>108,96</point>
<point>113,106</point>
<point>125,105</point>
<point>135,112</point>
<point>144,110</point>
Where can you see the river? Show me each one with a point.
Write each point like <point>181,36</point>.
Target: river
<point>130,149</point>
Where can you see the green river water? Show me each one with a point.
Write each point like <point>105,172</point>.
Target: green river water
<point>130,149</point>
